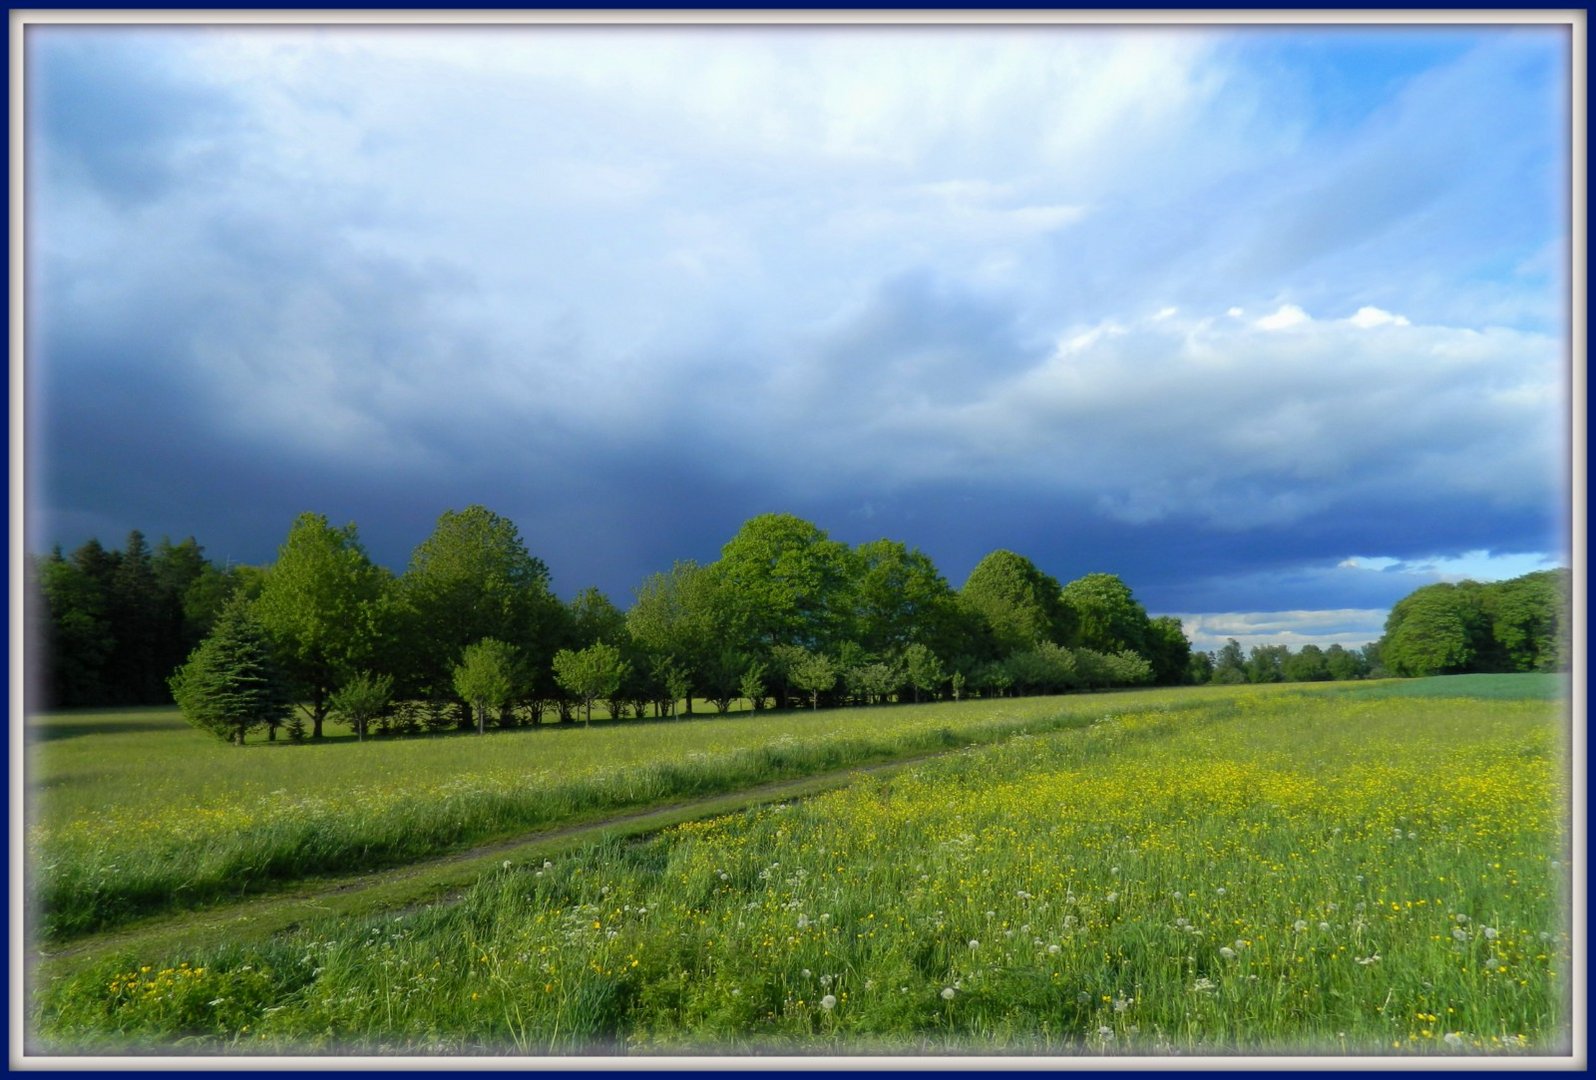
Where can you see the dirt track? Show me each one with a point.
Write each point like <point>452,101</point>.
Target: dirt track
<point>284,908</point>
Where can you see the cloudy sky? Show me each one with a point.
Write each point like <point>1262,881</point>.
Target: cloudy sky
<point>1271,322</point>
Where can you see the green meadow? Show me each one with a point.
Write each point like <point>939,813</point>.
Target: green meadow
<point>134,812</point>
<point>1341,870</point>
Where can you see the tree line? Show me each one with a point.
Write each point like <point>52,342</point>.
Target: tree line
<point>471,634</point>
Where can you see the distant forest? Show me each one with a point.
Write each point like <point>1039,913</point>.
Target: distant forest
<point>785,616</point>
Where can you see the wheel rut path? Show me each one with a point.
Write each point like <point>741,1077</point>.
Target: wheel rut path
<point>439,879</point>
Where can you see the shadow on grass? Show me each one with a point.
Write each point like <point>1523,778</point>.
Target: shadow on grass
<point>68,728</point>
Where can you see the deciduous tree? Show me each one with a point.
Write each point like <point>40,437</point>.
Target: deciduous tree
<point>321,604</point>
<point>813,673</point>
<point>1022,605</point>
<point>788,583</point>
<point>473,578</point>
<point>1107,616</point>
<point>485,677</point>
<point>361,700</point>
<point>590,673</point>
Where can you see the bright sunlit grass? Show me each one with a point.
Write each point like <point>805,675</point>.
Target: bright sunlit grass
<point>1251,872</point>
<point>134,811</point>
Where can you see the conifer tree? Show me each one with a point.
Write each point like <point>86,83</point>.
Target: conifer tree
<point>229,686</point>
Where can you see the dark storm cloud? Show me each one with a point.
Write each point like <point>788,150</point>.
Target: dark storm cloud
<point>633,293</point>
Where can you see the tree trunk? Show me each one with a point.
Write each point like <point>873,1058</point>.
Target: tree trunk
<point>318,711</point>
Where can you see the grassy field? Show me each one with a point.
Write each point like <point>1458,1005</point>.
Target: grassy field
<point>135,812</point>
<point>1233,871</point>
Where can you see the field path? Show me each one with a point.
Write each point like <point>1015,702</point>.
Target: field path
<point>428,881</point>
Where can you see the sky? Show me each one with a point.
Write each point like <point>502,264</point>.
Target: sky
<point>1271,322</point>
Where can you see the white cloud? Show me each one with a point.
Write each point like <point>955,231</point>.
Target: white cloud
<point>1373,316</point>
<point>1362,562</point>
<point>1233,424</point>
<point>1287,316</point>
<point>1351,628</point>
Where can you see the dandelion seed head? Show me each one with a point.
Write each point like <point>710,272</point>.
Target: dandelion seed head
<point>947,993</point>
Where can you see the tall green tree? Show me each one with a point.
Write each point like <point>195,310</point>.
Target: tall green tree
<point>177,567</point>
<point>1168,651</point>
<point>901,599</point>
<point>1266,663</point>
<point>1529,620</point>
<point>1022,605</point>
<point>1431,631</point>
<point>686,619</point>
<point>474,578</point>
<point>78,637</point>
<point>593,617</point>
<point>1307,664</point>
<point>230,684</point>
<point>321,602</point>
<point>1230,663</point>
<point>134,666</point>
<point>1344,664</point>
<point>1108,617</point>
<point>788,583</point>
